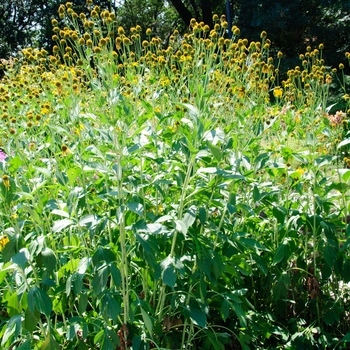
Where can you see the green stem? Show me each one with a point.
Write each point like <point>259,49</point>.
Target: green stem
<point>182,203</point>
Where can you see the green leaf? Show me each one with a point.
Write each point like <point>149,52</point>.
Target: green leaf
<point>49,259</point>
<point>25,346</point>
<point>345,174</point>
<point>330,255</point>
<point>50,343</point>
<point>225,309</point>
<point>110,307</point>
<point>72,331</point>
<point>240,314</point>
<point>148,322</point>
<point>280,290</point>
<point>202,215</point>
<point>189,217</point>
<point>181,226</point>
<point>21,258</point>
<point>343,143</point>
<point>83,300</point>
<point>61,225</point>
<point>103,254</point>
<point>73,174</point>
<point>197,316</point>
<point>43,302</point>
<point>116,275</point>
<point>14,164</point>
<point>136,208</point>
<point>279,213</point>
<point>215,343</point>
<point>12,330</point>
<point>281,252</point>
<point>333,314</point>
<point>216,152</point>
<point>13,305</point>
<point>256,194</point>
<point>346,338</point>
<point>169,276</point>
<point>136,342</point>
<point>83,265</point>
<point>30,321</point>
<point>99,280</point>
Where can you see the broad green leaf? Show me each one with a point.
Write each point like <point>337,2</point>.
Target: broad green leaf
<point>116,276</point>
<point>346,337</point>
<point>103,254</point>
<point>240,314</point>
<point>197,316</point>
<point>280,290</point>
<point>253,244</point>
<point>225,309</point>
<point>189,217</point>
<point>14,164</point>
<point>84,264</point>
<point>73,174</point>
<point>99,280</point>
<point>21,258</point>
<point>13,329</point>
<point>164,218</point>
<point>282,252</point>
<point>330,255</point>
<point>25,346</point>
<point>72,331</point>
<point>61,225</point>
<point>42,301</point>
<point>202,215</point>
<point>82,304</point>
<point>333,314</point>
<point>345,174</point>
<point>110,307</point>
<point>181,226</point>
<point>136,208</point>
<point>279,213</point>
<point>49,259</point>
<point>13,305</point>
<point>60,213</point>
<point>50,343</point>
<point>216,152</point>
<point>169,276</point>
<point>256,193</point>
<point>215,343</point>
<point>148,322</point>
<point>343,143</point>
<point>136,343</point>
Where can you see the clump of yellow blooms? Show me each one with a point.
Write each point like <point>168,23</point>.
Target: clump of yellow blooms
<point>93,51</point>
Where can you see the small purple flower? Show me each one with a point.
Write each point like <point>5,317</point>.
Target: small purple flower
<point>3,155</point>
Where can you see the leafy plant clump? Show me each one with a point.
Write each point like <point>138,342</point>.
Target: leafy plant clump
<point>178,197</point>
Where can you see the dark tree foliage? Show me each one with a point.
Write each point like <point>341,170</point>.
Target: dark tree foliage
<point>201,10</point>
<point>26,23</point>
<point>292,25</point>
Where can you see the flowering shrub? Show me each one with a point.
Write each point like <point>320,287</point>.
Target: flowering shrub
<point>170,197</point>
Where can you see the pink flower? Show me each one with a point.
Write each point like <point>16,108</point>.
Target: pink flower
<point>3,155</point>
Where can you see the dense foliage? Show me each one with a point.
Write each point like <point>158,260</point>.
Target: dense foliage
<point>173,198</point>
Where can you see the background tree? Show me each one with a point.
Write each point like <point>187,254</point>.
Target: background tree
<point>292,25</point>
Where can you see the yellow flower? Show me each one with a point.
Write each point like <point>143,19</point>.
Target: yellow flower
<point>3,241</point>
<point>65,150</point>
<point>278,92</point>
<point>6,181</point>
<point>300,171</point>
<point>79,128</point>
